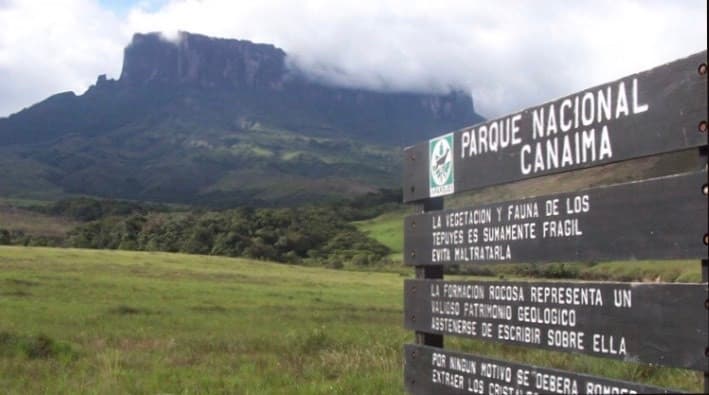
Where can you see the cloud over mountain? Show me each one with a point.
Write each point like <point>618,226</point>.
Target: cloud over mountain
<point>508,54</point>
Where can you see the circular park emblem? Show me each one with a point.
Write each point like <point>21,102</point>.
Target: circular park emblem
<point>441,165</point>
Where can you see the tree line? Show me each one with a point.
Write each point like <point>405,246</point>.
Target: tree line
<point>322,235</point>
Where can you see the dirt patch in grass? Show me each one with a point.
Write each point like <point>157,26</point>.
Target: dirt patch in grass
<point>33,223</point>
<point>209,309</point>
<point>24,283</point>
<point>149,344</point>
<point>130,310</point>
<point>17,293</point>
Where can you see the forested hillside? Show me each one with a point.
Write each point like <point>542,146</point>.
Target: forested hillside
<point>319,235</point>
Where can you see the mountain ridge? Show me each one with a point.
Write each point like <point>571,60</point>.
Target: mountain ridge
<point>217,121</point>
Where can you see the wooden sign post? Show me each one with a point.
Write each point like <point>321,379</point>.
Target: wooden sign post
<point>650,113</point>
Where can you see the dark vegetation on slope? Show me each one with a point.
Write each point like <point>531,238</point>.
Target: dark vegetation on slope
<point>321,235</point>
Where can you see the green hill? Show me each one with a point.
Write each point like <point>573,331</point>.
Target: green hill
<point>387,229</point>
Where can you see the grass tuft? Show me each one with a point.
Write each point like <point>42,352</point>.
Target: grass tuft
<point>209,309</point>
<point>33,347</point>
<point>20,282</point>
<point>129,310</point>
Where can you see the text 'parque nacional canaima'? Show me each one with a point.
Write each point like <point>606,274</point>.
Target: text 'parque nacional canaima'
<point>569,134</point>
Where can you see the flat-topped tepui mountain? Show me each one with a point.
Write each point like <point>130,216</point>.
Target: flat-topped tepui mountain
<point>217,121</point>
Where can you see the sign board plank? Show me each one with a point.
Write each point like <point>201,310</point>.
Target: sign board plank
<point>648,113</point>
<point>662,324</point>
<point>430,370</point>
<point>661,218</point>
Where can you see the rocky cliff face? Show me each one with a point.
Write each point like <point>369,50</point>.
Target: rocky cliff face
<point>202,61</point>
<point>234,79</point>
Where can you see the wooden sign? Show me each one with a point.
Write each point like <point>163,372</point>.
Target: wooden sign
<point>628,321</point>
<point>648,113</point>
<point>662,218</point>
<point>658,111</point>
<point>430,370</point>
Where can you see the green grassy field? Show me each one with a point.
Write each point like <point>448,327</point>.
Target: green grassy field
<point>388,229</point>
<point>86,321</point>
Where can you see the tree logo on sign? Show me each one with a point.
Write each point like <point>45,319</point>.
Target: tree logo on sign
<point>440,166</point>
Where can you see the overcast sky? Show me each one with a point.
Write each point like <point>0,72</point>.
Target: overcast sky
<point>508,54</point>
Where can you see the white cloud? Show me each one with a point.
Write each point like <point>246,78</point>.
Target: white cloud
<point>48,47</point>
<point>508,54</point>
